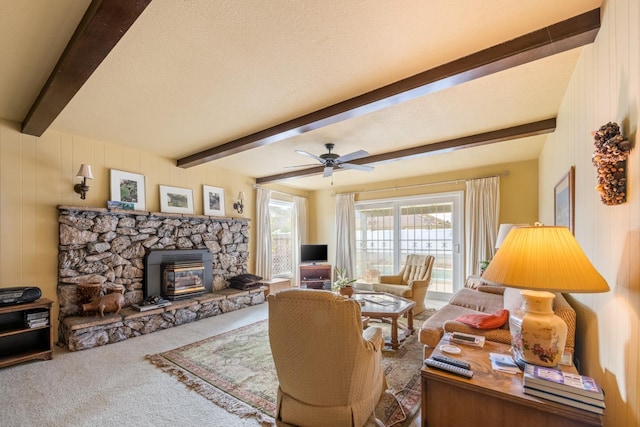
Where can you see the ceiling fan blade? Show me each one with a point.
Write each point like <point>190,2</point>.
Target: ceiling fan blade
<point>301,166</point>
<point>364,168</point>
<point>306,153</point>
<point>352,156</point>
<point>328,170</point>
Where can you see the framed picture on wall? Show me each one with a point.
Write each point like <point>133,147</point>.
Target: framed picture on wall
<point>213,200</point>
<point>128,187</point>
<point>176,200</point>
<point>564,201</point>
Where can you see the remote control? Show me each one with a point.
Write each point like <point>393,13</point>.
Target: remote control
<point>449,368</point>
<point>451,361</point>
<point>463,337</point>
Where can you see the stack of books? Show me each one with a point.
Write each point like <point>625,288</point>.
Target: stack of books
<point>574,390</point>
<point>36,319</point>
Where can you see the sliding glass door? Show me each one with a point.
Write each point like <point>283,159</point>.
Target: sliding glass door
<point>388,230</point>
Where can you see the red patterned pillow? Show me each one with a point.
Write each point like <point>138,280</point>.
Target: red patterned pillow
<point>485,321</point>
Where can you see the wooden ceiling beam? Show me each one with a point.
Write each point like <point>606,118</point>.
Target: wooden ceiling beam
<point>507,134</point>
<point>562,36</point>
<point>101,28</point>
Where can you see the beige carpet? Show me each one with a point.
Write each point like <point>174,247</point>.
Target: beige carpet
<point>235,370</point>
<point>115,385</point>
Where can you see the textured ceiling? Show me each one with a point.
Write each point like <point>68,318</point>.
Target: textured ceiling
<point>193,75</point>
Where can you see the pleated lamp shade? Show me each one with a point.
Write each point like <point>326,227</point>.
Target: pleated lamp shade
<point>504,230</point>
<point>85,172</point>
<point>544,258</point>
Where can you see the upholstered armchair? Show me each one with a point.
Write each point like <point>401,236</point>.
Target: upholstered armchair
<point>328,368</point>
<point>411,282</point>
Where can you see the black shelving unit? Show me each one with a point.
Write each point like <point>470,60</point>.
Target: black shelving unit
<point>19,342</point>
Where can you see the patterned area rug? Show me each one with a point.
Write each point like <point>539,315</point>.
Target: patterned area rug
<point>235,370</point>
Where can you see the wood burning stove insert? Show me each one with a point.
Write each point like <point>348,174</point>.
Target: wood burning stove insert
<point>178,274</point>
<point>182,279</point>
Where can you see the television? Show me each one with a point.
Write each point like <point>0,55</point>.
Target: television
<point>313,253</point>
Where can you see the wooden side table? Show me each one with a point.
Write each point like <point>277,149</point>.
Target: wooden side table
<point>275,285</point>
<point>490,398</point>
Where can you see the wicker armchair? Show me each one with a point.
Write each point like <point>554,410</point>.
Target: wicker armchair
<point>328,369</point>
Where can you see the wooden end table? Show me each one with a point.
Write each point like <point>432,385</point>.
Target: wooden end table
<point>490,398</point>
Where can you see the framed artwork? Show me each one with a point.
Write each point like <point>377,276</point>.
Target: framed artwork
<point>176,200</point>
<point>128,187</point>
<point>564,201</point>
<point>213,200</point>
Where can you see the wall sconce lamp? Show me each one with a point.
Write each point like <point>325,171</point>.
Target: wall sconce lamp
<point>239,205</point>
<point>84,173</point>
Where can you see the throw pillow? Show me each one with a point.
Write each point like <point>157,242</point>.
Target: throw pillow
<point>245,279</point>
<point>245,282</point>
<point>485,321</point>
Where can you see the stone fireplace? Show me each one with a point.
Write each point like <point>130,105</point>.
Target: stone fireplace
<point>127,250</point>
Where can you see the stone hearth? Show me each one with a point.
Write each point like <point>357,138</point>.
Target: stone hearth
<point>80,333</point>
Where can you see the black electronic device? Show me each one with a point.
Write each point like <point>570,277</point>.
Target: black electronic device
<point>19,295</point>
<point>469,339</point>
<point>314,253</point>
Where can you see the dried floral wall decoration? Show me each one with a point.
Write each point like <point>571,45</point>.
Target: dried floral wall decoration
<point>610,160</point>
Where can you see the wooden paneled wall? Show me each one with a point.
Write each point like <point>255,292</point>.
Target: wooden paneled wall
<point>37,174</point>
<point>604,87</point>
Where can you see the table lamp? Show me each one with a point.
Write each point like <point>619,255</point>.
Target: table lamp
<point>541,260</point>
<point>504,230</point>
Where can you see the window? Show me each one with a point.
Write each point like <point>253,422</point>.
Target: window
<point>388,230</point>
<point>281,219</point>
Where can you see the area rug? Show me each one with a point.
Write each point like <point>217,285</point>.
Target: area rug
<point>235,371</point>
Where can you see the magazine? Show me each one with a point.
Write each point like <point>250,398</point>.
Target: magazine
<point>555,379</point>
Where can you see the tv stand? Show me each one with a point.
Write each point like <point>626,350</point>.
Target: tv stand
<point>314,275</point>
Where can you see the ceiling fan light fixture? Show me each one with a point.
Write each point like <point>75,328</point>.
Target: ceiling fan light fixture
<point>332,160</point>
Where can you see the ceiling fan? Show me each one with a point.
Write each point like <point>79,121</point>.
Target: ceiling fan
<point>332,160</point>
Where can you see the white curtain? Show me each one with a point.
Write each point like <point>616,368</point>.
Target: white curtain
<point>482,210</point>
<point>263,234</point>
<point>346,234</point>
<point>298,235</point>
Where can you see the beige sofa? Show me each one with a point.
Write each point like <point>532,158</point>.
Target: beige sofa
<point>487,299</point>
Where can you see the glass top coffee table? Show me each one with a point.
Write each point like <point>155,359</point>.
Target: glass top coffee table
<point>380,305</point>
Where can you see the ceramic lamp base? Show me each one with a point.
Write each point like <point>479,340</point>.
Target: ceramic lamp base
<point>538,336</point>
